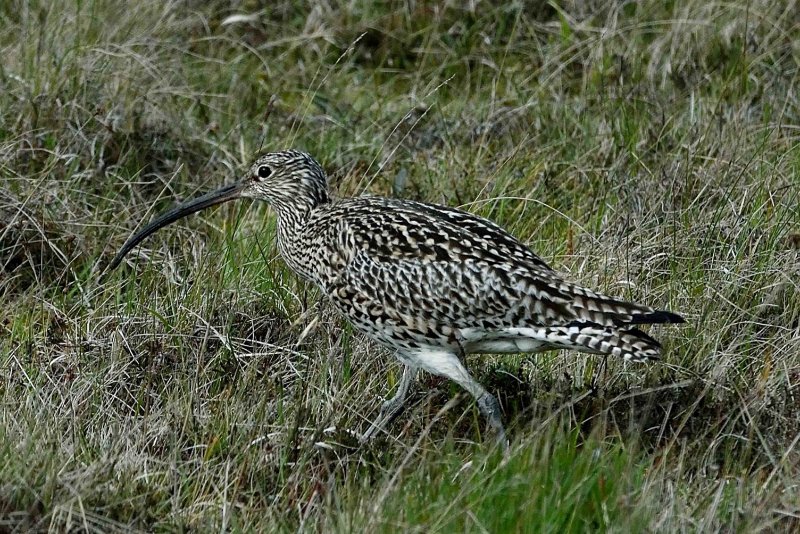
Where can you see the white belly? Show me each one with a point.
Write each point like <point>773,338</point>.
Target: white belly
<point>502,341</point>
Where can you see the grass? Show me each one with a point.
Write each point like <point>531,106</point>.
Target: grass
<point>647,149</point>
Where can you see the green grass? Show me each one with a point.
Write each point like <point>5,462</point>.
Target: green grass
<point>647,149</point>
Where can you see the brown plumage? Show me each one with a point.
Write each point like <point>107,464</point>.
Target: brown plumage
<point>429,282</point>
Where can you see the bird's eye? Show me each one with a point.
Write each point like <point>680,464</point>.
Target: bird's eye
<point>264,171</point>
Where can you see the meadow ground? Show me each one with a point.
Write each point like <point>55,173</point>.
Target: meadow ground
<point>647,149</point>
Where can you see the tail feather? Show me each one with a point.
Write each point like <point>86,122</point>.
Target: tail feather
<point>596,308</point>
<point>630,344</point>
<point>656,317</point>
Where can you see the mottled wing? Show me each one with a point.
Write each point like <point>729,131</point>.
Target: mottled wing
<point>489,233</point>
<point>465,294</point>
<point>413,258</point>
<point>406,227</point>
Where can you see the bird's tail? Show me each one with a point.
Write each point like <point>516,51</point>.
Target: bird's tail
<point>629,343</point>
<point>609,311</point>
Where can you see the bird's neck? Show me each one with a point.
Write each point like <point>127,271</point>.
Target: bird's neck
<point>293,237</point>
<point>293,211</point>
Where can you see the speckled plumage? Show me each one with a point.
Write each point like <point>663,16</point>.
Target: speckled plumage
<point>429,282</point>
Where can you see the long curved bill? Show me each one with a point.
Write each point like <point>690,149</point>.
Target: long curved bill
<point>229,192</point>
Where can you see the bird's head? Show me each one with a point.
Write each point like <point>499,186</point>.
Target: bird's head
<point>292,182</point>
<point>288,180</point>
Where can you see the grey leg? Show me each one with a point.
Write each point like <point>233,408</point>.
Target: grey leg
<point>490,409</point>
<point>447,364</point>
<point>391,408</point>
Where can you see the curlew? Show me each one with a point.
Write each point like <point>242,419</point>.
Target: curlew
<point>429,282</point>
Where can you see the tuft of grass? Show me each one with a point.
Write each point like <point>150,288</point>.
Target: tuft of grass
<point>554,482</point>
<point>646,149</point>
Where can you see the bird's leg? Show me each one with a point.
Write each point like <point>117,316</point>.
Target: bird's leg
<point>392,407</point>
<point>449,365</point>
<point>490,408</point>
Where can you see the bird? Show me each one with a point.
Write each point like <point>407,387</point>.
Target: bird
<point>430,283</point>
